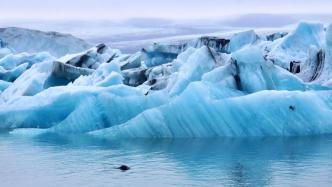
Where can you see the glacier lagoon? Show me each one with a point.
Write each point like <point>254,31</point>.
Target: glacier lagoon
<point>243,108</point>
<point>56,160</point>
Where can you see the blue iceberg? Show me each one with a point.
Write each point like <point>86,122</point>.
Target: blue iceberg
<point>243,85</point>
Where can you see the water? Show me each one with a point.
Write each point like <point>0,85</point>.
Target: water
<point>52,160</point>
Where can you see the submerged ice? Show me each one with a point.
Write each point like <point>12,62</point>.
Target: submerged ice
<point>244,85</point>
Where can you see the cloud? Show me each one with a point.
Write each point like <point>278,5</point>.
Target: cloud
<point>170,9</point>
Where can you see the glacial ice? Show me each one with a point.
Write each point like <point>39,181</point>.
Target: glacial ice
<point>107,74</point>
<point>25,40</point>
<point>11,61</point>
<point>192,70</point>
<point>11,75</point>
<point>239,40</point>
<point>4,85</point>
<point>325,75</point>
<point>4,51</point>
<point>243,85</point>
<point>31,82</point>
<point>295,45</point>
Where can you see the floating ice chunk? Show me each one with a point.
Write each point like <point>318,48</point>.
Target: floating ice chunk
<point>4,85</point>
<point>157,77</point>
<point>249,64</point>
<point>329,35</point>
<point>201,92</point>
<point>113,78</point>
<point>295,40</point>
<point>12,60</point>
<point>27,132</point>
<point>184,56</point>
<point>216,43</point>
<point>158,54</point>
<point>11,75</point>
<point>90,108</point>
<point>107,74</point>
<point>294,46</point>
<point>134,61</point>
<point>91,58</point>
<point>275,36</point>
<point>134,77</point>
<point>242,39</point>
<point>32,41</point>
<point>326,65</point>
<point>4,52</point>
<point>222,76</point>
<point>193,69</point>
<point>30,82</point>
<point>72,66</point>
<point>280,113</point>
<point>256,74</point>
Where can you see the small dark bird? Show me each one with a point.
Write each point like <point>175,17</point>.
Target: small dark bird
<point>123,168</point>
<point>291,107</point>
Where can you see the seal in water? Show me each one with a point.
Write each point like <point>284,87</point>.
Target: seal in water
<point>123,168</point>
<point>291,107</point>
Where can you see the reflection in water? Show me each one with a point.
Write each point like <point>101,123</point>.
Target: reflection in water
<point>73,160</point>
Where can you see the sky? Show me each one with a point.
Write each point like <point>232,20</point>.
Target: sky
<point>123,23</point>
<point>168,9</point>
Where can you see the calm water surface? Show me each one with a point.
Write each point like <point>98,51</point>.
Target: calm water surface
<point>53,160</point>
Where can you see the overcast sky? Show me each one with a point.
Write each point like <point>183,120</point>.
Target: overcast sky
<point>170,9</point>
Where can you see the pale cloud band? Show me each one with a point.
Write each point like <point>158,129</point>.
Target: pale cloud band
<point>170,9</point>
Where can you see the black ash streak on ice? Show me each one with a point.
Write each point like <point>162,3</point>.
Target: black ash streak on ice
<point>232,85</point>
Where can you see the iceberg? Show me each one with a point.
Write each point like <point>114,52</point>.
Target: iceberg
<point>31,82</point>
<point>11,75</point>
<point>32,41</point>
<point>11,61</point>
<point>4,85</point>
<point>106,75</point>
<point>239,40</point>
<point>241,85</point>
